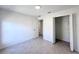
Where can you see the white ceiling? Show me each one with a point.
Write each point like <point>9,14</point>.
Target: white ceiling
<point>30,9</point>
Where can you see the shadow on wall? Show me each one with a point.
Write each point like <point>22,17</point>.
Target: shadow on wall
<point>16,27</point>
<point>3,15</point>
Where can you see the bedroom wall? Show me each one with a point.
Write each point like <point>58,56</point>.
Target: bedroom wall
<point>17,28</point>
<point>48,25</point>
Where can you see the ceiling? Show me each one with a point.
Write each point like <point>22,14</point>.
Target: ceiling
<point>30,9</point>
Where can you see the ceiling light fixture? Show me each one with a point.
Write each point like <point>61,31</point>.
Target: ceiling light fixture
<point>49,12</point>
<point>37,7</point>
<point>39,16</point>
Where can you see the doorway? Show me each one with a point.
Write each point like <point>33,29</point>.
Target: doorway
<point>41,28</point>
<point>67,29</point>
<point>62,29</point>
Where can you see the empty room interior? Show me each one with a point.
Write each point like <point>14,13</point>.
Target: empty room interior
<point>62,30</point>
<point>39,29</point>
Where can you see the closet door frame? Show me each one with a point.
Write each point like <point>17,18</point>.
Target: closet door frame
<point>70,31</point>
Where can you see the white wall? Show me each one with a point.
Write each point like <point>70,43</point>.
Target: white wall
<point>62,28</point>
<point>65,29</point>
<point>47,28</point>
<point>58,28</point>
<point>48,25</point>
<point>17,28</point>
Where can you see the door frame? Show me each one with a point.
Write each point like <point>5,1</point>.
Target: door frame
<point>70,30</point>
